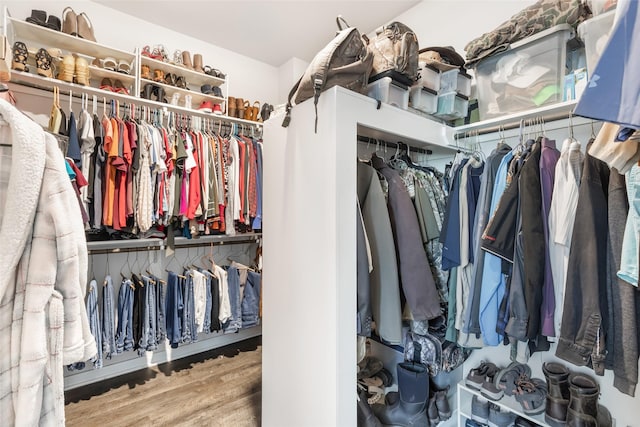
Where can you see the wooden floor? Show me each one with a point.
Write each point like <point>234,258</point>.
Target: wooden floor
<point>222,387</point>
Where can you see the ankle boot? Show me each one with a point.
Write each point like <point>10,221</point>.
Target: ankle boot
<point>557,376</point>
<point>407,407</point>
<point>186,60</point>
<point>584,410</point>
<point>197,63</point>
<point>444,410</point>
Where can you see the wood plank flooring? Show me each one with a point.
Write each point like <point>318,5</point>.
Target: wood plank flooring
<point>222,387</point>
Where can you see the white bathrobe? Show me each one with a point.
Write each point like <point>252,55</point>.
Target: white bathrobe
<point>43,269</point>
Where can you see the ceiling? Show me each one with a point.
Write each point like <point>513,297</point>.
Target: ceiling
<point>269,31</point>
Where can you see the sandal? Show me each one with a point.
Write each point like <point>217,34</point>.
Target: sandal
<point>118,87</point>
<point>214,72</point>
<point>170,79</point>
<point>124,67</point>
<point>109,63</point>
<point>532,395</point>
<point>145,72</point>
<point>43,62</point>
<point>508,378</point>
<point>158,76</point>
<point>255,113</point>
<point>177,58</point>
<point>159,53</point>
<point>106,84</point>
<point>181,82</point>
<point>20,55</point>
<point>146,51</point>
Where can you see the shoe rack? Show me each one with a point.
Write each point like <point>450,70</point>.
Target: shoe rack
<point>506,403</point>
<point>36,37</point>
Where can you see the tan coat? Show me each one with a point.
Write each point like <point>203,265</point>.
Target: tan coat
<point>43,269</point>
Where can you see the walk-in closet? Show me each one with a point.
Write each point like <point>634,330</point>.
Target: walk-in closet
<point>366,213</point>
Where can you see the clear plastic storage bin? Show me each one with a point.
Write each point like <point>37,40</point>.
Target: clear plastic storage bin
<point>452,106</point>
<point>429,76</point>
<point>529,74</point>
<point>463,86</point>
<point>595,34</point>
<point>390,92</point>
<point>423,99</point>
<point>449,81</point>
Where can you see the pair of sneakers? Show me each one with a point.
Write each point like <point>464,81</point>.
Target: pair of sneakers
<point>483,378</point>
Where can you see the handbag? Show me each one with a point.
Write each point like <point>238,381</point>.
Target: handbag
<point>425,349</point>
<point>345,61</point>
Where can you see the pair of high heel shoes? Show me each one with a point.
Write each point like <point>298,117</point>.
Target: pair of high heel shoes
<point>153,92</point>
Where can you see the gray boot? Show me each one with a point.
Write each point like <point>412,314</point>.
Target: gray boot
<point>407,407</point>
<point>584,410</point>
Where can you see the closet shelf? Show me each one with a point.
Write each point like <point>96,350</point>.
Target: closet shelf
<point>549,113</point>
<point>45,37</point>
<point>159,244</point>
<point>101,73</point>
<point>46,83</point>
<point>192,77</point>
<point>196,96</point>
<point>509,403</point>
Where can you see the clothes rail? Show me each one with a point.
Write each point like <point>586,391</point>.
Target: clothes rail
<point>36,82</point>
<point>140,245</point>
<point>399,145</point>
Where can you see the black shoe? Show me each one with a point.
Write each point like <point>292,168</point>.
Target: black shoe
<point>53,23</point>
<point>38,17</point>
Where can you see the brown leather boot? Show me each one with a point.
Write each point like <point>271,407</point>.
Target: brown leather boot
<point>557,376</point>
<point>584,410</point>
<point>197,63</point>
<point>186,60</point>
<point>85,29</point>
<point>231,106</point>
<point>239,108</point>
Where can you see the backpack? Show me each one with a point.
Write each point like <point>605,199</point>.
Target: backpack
<point>395,48</point>
<point>345,61</point>
<point>425,349</point>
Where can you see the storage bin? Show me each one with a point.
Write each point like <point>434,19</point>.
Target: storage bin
<point>389,91</point>
<point>423,99</point>
<point>595,34</point>
<point>429,76</point>
<point>452,106</point>
<point>463,85</point>
<point>449,81</point>
<point>529,74</point>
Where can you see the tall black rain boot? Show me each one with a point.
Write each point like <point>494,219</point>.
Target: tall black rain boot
<point>408,406</point>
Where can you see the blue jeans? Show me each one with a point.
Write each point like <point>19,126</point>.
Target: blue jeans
<point>207,314</point>
<point>251,300</point>
<point>148,337</point>
<point>173,309</point>
<point>161,326</point>
<point>233,280</point>
<point>108,319</point>
<point>94,321</point>
<point>189,328</point>
<point>124,334</point>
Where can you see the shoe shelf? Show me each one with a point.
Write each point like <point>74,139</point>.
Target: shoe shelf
<point>97,74</point>
<point>192,77</point>
<point>508,403</point>
<point>32,34</point>
<point>196,96</point>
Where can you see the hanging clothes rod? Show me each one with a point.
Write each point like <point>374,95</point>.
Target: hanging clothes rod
<point>77,91</point>
<point>394,145</point>
<point>112,246</point>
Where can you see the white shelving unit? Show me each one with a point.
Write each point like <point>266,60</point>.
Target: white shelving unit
<point>508,403</point>
<point>192,77</point>
<point>310,196</point>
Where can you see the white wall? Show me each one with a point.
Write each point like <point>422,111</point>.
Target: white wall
<point>289,73</point>
<point>246,78</point>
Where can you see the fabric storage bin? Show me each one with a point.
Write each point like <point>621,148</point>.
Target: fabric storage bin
<point>429,76</point>
<point>529,74</point>
<point>452,106</point>
<point>423,99</point>
<point>449,81</point>
<point>595,34</point>
<point>389,91</point>
<point>463,85</point>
